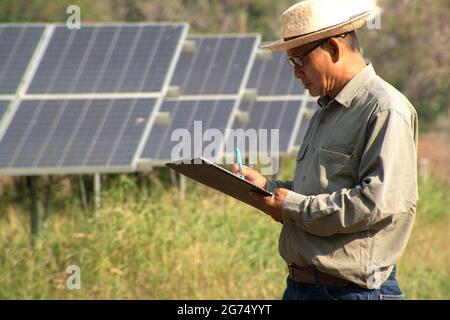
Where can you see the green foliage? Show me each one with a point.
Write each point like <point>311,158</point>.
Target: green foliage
<point>411,51</point>
<point>437,203</point>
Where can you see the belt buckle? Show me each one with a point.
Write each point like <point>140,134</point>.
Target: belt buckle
<point>291,273</point>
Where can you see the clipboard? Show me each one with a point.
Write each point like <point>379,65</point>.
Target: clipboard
<point>220,179</point>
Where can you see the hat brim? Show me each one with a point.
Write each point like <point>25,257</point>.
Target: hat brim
<point>350,25</point>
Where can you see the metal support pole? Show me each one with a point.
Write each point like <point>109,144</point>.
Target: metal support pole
<point>48,195</point>
<point>182,186</point>
<point>173,178</point>
<point>97,190</point>
<point>83,195</point>
<point>34,207</point>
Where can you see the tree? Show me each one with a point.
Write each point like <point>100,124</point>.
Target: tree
<point>412,52</point>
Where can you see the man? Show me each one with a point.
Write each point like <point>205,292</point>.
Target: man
<point>348,212</point>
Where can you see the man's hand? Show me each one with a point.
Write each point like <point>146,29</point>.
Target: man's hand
<point>274,203</point>
<point>251,175</point>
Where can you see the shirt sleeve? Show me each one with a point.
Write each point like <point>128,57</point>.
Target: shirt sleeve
<point>388,183</point>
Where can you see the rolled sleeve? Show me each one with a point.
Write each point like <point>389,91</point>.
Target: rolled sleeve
<point>292,206</point>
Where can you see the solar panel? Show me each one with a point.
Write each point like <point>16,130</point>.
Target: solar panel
<point>217,66</point>
<point>76,135</point>
<point>274,77</point>
<point>278,104</point>
<point>269,115</point>
<point>215,73</point>
<point>108,59</point>
<point>18,44</point>
<point>185,114</point>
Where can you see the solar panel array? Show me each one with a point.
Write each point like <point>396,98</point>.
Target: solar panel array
<point>211,80</point>
<point>93,95</point>
<point>88,100</point>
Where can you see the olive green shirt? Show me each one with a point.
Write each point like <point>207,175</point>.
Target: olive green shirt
<point>353,198</point>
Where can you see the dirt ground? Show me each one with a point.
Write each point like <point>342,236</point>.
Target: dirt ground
<point>434,153</point>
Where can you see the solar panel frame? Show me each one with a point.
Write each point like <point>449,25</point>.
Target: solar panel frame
<point>4,104</point>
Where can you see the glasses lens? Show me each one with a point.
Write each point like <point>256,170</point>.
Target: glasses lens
<point>295,61</point>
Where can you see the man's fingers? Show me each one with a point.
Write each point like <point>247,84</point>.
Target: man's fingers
<point>258,196</point>
<point>236,169</point>
<point>255,195</point>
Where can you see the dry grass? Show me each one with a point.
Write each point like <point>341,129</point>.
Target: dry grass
<point>206,246</point>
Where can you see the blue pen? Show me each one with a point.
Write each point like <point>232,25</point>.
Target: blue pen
<point>239,160</point>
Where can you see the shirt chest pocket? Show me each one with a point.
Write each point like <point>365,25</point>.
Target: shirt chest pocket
<point>336,169</point>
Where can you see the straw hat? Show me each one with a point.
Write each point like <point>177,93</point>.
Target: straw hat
<point>312,20</point>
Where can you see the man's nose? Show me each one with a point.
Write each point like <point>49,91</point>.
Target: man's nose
<point>298,72</point>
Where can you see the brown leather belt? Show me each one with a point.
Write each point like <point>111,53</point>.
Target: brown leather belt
<point>311,275</point>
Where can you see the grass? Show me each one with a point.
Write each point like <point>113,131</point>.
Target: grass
<point>424,270</point>
<point>155,245</point>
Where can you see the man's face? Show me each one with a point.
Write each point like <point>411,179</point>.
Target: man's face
<point>315,69</point>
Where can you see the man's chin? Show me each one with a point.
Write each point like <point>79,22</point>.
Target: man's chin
<point>313,93</point>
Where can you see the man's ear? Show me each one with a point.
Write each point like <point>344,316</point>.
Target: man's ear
<point>334,48</point>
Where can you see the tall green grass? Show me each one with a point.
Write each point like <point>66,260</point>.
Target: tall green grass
<point>148,243</point>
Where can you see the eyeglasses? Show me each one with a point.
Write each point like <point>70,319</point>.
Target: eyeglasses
<point>298,60</point>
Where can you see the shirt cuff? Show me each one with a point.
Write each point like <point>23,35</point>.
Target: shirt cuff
<point>290,211</point>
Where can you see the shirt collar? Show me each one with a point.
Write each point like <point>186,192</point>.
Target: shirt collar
<point>346,95</point>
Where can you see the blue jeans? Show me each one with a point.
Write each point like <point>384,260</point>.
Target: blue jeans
<point>389,290</point>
